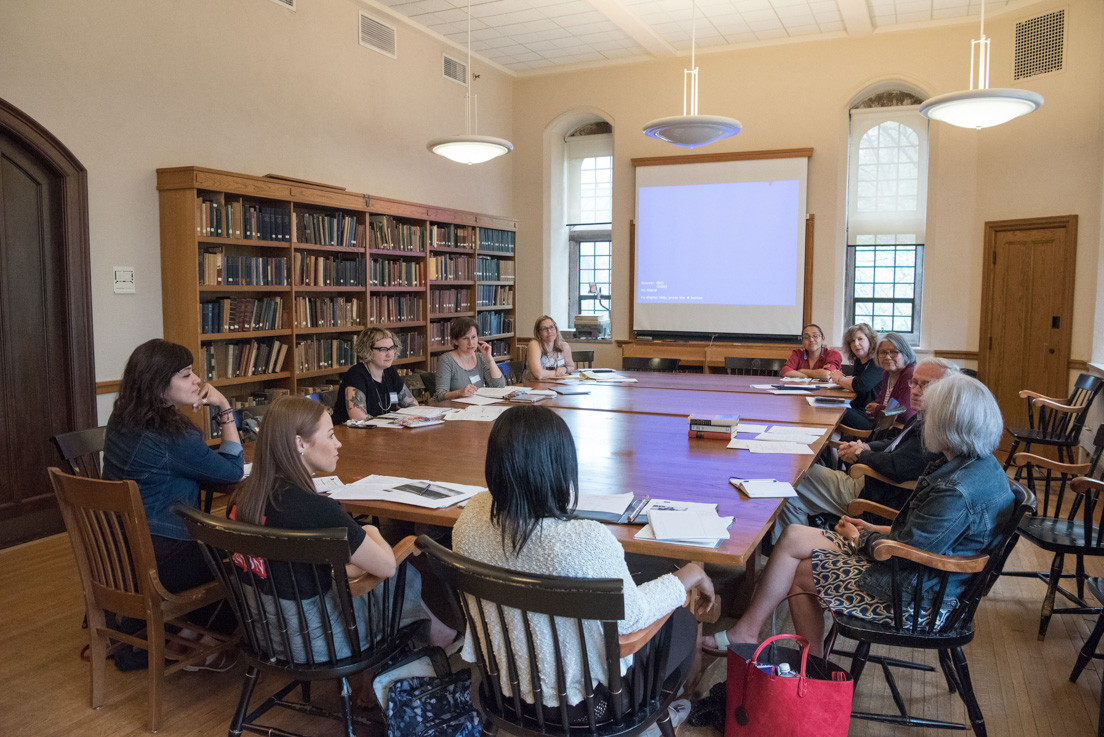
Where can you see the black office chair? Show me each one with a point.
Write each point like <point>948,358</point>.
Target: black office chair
<point>1088,650</point>
<point>483,593</point>
<point>1075,533</point>
<point>81,449</point>
<point>302,636</point>
<point>638,363</point>
<point>925,631</point>
<point>512,371</point>
<point>1058,425</point>
<point>429,381</point>
<point>885,422</point>
<point>740,366</point>
<point>582,359</point>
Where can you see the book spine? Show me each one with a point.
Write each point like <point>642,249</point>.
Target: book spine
<point>712,428</point>
<point>704,435</point>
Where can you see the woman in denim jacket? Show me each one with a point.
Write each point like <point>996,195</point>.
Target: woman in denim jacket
<point>152,443</point>
<point>959,506</point>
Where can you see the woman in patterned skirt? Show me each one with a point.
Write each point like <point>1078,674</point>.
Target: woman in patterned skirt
<point>958,508</point>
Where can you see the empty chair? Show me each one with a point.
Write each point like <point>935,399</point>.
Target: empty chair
<point>293,600</point>
<point>512,371</point>
<point>637,363</point>
<point>429,381</point>
<point>753,366</point>
<point>1058,422</point>
<point>583,359</point>
<point>82,449</point>
<point>111,542</point>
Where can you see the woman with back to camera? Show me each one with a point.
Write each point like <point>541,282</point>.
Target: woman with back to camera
<point>372,387</point>
<point>813,360</point>
<point>526,523</point>
<point>898,361</point>
<point>549,354</point>
<point>859,342</point>
<point>150,442</point>
<point>462,371</point>
<point>959,507</point>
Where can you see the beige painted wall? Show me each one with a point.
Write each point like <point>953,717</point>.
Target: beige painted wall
<point>246,86</point>
<point>797,95</point>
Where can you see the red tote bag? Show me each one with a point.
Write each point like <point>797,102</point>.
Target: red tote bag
<point>760,704</point>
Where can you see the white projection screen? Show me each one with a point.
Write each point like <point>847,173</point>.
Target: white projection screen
<point>720,248</point>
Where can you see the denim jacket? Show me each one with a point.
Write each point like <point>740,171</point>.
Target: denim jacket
<point>958,508</point>
<point>169,469</point>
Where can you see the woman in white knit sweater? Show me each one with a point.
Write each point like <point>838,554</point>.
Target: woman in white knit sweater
<point>526,523</point>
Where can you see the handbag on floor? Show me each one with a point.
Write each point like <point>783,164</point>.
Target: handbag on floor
<point>431,706</point>
<point>814,700</point>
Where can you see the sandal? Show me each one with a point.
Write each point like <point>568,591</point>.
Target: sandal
<point>720,651</point>
<point>220,662</point>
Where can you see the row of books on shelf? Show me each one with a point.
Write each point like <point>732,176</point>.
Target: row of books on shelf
<point>233,360</point>
<point>453,268</point>
<point>495,323</point>
<point>388,308</point>
<point>444,301</point>
<point>387,273</point>
<point>339,229</point>
<point>323,353</point>
<point>497,241</point>
<point>242,220</point>
<point>494,269</point>
<point>411,343</point>
<point>329,312</point>
<point>389,234</point>
<point>219,269</point>
<point>242,314</point>
<point>328,271</point>
<point>448,235</point>
<point>488,295</point>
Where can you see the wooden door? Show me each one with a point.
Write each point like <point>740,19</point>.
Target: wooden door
<point>45,335</point>
<point>1027,310</point>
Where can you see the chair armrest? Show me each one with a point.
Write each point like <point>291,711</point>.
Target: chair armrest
<point>1073,469</point>
<point>1056,406</point>
<point>834,444</point>
<point>845,430</point>
<point>202,594</point>
<point>633,641</point>
<point>1027,394</point>
<point>859,470</point>
<point>366,582</point>
<point>885,549</point>
<point>1085,485</point>
<point>859,506</point>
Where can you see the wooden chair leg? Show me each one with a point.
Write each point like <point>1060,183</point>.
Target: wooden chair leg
<point>858,662</point>
<point>97,655</point>
<point>250,683</point>
<point>155,642</point>
<point>1088,649</point>
<point>977,721</point>
<point>1052,589</point>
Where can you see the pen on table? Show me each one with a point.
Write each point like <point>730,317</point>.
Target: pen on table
<point>634,515</point>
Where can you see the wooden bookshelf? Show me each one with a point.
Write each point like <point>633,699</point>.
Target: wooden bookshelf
<point>247,224</point>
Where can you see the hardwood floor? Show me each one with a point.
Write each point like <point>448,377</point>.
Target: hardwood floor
<point>1022,684</point>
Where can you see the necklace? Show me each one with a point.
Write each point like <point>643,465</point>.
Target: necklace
<point>380,391</point>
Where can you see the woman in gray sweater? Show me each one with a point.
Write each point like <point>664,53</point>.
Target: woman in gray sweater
<point>462,371</point>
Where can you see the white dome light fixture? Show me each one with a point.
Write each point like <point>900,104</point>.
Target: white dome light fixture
<point>981,107</point>
<point>470,148</point>
<point>690,129</point>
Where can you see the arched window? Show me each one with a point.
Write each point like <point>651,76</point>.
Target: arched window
<point>887,181</point>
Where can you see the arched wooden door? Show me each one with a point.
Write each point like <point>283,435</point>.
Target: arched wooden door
<point>46,373</point>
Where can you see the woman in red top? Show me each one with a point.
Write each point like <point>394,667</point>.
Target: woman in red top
<point>813,360</point>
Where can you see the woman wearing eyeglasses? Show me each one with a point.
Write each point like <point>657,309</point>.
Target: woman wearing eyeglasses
<point>813,359</point>
<point>372,387</point>
<point>549,355</point>
<point>898,361</point>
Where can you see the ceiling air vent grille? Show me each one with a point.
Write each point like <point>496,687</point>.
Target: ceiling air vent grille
<point>290,4</point>
<point>1039,44</point>
<point>378,36</point>
<point>455,70</point>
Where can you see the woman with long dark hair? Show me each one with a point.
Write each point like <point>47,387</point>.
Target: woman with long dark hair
<point>151,442</point>
<point>526,523</point>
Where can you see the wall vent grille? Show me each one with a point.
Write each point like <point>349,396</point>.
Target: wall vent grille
<point>455,70</point>
<point>1039,45</point>
<point>378,36</point>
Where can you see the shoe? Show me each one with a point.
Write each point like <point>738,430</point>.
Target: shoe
<point>679,710</point>
<point>721,638</point>
<point>220,662</point>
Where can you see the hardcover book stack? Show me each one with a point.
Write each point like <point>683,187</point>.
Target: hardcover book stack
<point>713,427</point>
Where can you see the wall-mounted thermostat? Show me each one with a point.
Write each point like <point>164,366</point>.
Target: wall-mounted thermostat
<point>124,279</point>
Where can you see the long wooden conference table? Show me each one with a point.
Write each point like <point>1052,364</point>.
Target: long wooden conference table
<point>630,438</point>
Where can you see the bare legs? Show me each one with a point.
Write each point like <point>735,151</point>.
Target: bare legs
<point>789,571</point>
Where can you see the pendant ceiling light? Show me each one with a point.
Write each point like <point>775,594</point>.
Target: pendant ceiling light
<point>470,148</point>
<point>691,129</point>
<point>981,107</point>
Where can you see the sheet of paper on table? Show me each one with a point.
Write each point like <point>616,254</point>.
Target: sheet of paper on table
<point>417,492</point>
<point>607,377</point>
<point>788,391</point>
<point>476,413</point>
<point>797,379</point>
<point>770,437</point>
<point>542,392</point>
<point>499,392</point>
<point>421,411</point>
<point>797,430</point>
<point>766,446</point>
<point>667,505</point>
<point>478,399</point>
<point>327,484</point>
<point>688,526</point>
<point>647,533</point>
<point>747,427</point>
<point>764,488</point>
<point>607,503</point>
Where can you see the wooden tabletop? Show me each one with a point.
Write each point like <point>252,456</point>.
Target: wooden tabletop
<point>619,451</point>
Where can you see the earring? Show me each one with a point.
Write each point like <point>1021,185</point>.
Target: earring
<point>302,452</point>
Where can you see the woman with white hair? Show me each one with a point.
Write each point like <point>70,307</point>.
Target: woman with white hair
<point>898,361</point>
<point>958,508</point>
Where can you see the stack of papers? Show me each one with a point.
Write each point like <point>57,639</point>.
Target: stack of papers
<point>476,413</point>
<point>492,395</point>
<point>769,446</point>
<point>416,492</point>
<point>792,439</point>
<point>328,484</point>
<point>763,488</point>
<point>606,376</point>
<point>705,530</point>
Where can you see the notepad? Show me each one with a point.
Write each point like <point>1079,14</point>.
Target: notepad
<point>763,488</point>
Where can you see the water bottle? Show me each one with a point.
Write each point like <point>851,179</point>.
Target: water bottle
<point>784,671</point>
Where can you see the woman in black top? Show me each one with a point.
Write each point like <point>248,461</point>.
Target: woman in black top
<point>859,342</point>
<point>372,387</point>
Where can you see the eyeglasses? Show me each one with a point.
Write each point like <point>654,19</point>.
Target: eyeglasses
<point>888,354</point>
<point>918,384</point>
<point>547,329</point>
<point>813,336</point>
<point>385,348</point>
